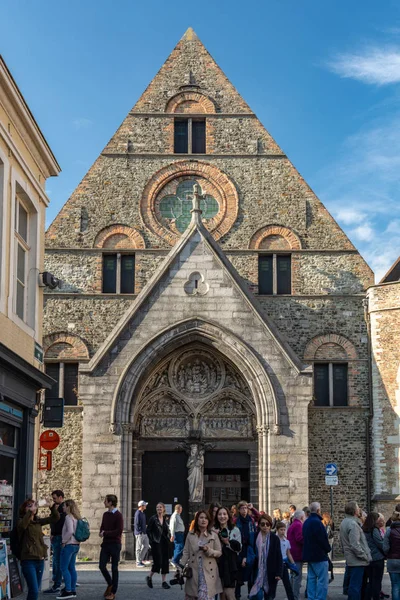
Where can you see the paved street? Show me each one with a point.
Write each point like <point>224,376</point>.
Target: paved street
<point>132,585</point>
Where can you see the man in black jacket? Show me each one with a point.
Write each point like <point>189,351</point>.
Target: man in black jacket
<point>56,530</point>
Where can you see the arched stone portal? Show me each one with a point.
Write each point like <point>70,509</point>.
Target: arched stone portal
<point>195,383</point>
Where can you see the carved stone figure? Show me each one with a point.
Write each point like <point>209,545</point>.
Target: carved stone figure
<point>165,427</point>
<point>195,465</point>
<point>197,378</point>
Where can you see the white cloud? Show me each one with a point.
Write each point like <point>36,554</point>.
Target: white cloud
<point>364,232</point>
<point>348,215</point>
<point>394,227</point>
<point>82,123</point>
<point>377,66</point>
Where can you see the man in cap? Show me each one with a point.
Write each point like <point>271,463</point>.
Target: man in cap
<point>139,528</point>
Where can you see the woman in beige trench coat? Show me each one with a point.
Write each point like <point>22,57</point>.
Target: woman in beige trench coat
<point>201,550</point>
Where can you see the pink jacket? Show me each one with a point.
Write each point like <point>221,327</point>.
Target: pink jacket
<point>295,537</point>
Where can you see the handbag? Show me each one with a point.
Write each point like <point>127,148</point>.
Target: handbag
<point>187,572</point>
<point>258,596</point>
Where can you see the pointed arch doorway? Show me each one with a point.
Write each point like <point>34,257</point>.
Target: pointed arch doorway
<point>242,425</point>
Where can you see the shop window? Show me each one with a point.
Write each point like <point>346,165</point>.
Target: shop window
<point>66,381</point>
<point>11,420</point>
<point>190,136</point>
<point>275,274</point>
<point>330,384</point>
<point>118,274</point>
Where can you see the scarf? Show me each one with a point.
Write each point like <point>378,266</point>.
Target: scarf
<point>261,581</point>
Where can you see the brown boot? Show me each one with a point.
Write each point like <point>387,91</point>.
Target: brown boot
<point>110,596</point>
<point>108,591</point>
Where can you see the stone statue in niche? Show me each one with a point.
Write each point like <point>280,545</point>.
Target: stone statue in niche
<point>195,465</point>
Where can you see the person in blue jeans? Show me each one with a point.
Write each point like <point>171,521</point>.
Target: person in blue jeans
<point>69,550</point>
<point>316,548</point>
<point>391,547</point>
<point>56,530</point>
<point>177,529</point>
<point>33,550</point>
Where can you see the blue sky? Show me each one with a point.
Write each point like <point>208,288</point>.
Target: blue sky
<point>323,77</point>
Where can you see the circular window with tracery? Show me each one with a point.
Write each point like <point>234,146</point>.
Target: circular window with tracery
<point>166,203</point>
<point>175,205</point>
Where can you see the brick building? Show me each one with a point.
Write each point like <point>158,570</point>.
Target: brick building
<point>206,353</point>
<point>384,320</point>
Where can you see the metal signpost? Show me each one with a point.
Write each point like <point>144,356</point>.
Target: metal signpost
<point>331,479</point>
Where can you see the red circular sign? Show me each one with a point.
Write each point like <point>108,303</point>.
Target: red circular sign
<point>49,439</point>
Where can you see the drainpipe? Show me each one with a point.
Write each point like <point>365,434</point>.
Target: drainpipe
<point>368,420</point>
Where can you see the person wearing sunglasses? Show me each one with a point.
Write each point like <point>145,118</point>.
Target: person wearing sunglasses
<point>268,565</point>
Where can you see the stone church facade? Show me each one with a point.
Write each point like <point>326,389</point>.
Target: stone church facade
<point>211,319</point>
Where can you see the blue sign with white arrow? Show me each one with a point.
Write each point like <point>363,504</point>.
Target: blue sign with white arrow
<point>331,469</point>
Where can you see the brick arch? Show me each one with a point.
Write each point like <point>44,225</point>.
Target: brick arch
<point>228,195</point>
<point>287,234</point>
<point>133,238</point>
<point>314,350</point>
<point>195,102</point>
<point>65,346</point>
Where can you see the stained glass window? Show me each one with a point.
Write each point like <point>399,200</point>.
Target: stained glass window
<point>178,207</point>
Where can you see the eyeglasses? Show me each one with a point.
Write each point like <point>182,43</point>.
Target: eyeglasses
<point>265,524</point>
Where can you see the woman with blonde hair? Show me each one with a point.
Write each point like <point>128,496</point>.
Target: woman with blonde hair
<point>159,536</point>
<point>69,550</point>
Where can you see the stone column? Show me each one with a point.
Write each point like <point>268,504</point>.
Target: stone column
<point>263,470</point>
<point>126,490</point>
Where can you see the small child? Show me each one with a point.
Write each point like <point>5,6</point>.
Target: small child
<point>288,562</point>
<point>286,519</point>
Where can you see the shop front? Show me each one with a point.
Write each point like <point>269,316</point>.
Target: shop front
<point>20,383</point>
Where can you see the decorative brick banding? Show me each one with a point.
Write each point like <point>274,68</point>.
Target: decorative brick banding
<point>194,101</point>
<point>229,205</point>
<point>313,352</point>
<point>64,346</point>
<point>133,238</point>
<point>257,242</point>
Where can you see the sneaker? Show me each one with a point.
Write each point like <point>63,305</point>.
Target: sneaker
<point>165,585</point>
<point>173,565</point>
<point>140,565</point>
<point>77,584</point>
<point>149,582</point>
<point>146,562</point>
<point>64,594</point>
<point>53,590</point>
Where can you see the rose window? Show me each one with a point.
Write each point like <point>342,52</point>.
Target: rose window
<point>177,207</point>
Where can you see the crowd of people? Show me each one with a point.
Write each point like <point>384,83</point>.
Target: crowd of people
<point>227,551</point>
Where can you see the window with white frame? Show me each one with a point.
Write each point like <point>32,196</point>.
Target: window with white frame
<point>21,257</point>
<point>330,384</point>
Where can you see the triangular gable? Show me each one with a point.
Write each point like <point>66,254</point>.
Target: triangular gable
<point>393,274</point>
<point>229,270</point>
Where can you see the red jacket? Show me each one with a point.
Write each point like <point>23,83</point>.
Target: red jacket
<point>295,537</point>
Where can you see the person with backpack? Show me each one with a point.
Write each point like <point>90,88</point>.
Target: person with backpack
<point>69,550</point>
<point>28,544</point>
<point>56,531</point>
<point>111,529</point>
